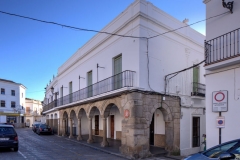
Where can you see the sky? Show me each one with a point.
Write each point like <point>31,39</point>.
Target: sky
<point>31,52</point>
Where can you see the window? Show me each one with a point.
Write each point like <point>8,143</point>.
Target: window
<point>196,132</point>
<point>22,95</point>
<point>13,104</point>
<point>89,83</point>
<point>13,92</point>
<point>2,91</point>
<point>3,103</point>
<point>217,151</point>
<point>117,69</point>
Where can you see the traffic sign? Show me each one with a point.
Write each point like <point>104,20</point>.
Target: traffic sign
<point>220,101</point>
<point>220,122</point>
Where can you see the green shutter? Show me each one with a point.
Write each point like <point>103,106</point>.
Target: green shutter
<point>195,79</point>
<point>89,78</point>
<point>89,83</point>
<point>117,65</point>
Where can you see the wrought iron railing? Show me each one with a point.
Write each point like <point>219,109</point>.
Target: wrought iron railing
<point>198,89</point>
<point>123,79</point>
<point>224,47</point>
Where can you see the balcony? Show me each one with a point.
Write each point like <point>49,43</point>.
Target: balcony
<point>223,51</point>
<point>118,81</point>
<point>198,89</point>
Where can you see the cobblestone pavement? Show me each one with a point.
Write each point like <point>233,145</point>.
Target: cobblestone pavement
<point>46,147</point>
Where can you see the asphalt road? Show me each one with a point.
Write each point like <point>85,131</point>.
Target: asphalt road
<point>49,147</point>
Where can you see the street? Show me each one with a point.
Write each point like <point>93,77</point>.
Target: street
<point>44,147</point>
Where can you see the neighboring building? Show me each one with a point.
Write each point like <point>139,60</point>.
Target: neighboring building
<point>33,111</point>
<point>114,86</point>
<point>222,71</point>
<point>12,98</point>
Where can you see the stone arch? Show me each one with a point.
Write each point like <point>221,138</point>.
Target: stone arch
<point>113,101</point>
<point>92,111</point>
<point>81,112</point>
<point>55,116</point>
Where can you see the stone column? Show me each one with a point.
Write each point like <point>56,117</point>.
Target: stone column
<point>104,142</point>
<point>59,125</point>
<point>63,127</point>
<point>79,130</point>
<point>90,140</point>
<point>71,128</point>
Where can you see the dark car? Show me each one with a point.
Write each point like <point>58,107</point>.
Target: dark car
<point>44,128</point>
<point>228,150</point>
<point>35,126</point>
<point>8,137</point>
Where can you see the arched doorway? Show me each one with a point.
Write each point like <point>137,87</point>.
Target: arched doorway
<point>94,123</point>
<point>112,125</point>
<point>157,129</point>
<point>82,128</point>
<point>65,123</point>
<point>72,124</point>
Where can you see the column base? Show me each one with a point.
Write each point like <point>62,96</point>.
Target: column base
<point>105,144</point>
<point>70,137</point>
<point>79,138</point>
<point>63,135</point>
<point>89,141</point>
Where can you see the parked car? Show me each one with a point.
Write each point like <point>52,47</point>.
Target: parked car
<point>35,126</point>
<point>8,137</point>
<point>225,151</point>
<point>7,123</point>
<point>44,128</point>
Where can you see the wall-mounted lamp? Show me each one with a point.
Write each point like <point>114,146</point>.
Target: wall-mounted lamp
<point>181,115</point>
<point>97,70</point>
<point>228,5</point>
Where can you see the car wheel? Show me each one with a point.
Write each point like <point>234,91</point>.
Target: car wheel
<point>15,149</point>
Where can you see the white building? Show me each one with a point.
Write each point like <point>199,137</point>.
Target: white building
<point>116,82</point>
<point>33,111</point>
<point>222,71</point>
<point>12,98</point>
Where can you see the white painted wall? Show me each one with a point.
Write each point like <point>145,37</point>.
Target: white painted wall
<point>7,97</point>
<point>223,78</point>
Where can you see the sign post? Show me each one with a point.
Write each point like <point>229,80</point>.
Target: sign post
<point>220,104</point>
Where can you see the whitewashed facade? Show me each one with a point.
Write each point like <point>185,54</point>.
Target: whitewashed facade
<point>33,111</point>
<point>12,99</point>
<point>135,57</point>
<point>222,70</point>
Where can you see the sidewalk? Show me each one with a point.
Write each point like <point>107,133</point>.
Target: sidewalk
<point>114,145</point>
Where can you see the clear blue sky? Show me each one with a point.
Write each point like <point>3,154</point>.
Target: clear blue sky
<point>31,52</point>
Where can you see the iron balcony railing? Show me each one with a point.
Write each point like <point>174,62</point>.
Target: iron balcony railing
<point>123,79</point>
<point>198,89</point>
<point>224,47</point>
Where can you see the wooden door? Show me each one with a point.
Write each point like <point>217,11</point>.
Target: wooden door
<point>112,126</point>
<point>151,130</point>
<point>96,124</point>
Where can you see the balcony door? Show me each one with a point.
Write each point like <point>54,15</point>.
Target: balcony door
<point>117,70</point>
<point>195,79</point>
<point>89,83</point>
